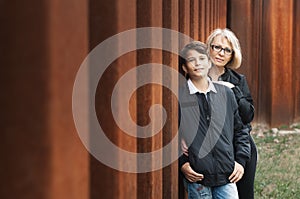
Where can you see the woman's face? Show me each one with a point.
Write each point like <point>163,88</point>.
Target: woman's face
<point>220,51</point>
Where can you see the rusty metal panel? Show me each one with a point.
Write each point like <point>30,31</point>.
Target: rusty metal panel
<point>149,14</point>
<point>245,21</point>
<point>170,173</point>
<point>108,18</point>
<point>267,32</point>
<point>43,44</point>
<point>280,45</point>
<point>296,61</point>
<point>184,17</point>
<point>194,19</point>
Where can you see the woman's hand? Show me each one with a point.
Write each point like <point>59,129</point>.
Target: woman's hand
<point>190,174</point>
<point>184,147</point>
<point>228,84</point>
<point>237,173</point>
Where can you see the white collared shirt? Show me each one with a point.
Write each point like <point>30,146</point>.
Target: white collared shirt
<point>193,89</point>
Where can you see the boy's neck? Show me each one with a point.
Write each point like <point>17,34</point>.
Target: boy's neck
<point>201,84</point>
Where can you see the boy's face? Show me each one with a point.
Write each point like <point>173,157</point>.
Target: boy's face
<point>197,64</point>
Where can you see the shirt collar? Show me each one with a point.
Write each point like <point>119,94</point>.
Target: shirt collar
<point>193,89</point>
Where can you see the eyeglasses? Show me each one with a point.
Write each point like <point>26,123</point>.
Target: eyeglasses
<point>218,49</point>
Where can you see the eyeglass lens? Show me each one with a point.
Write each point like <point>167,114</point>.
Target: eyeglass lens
<point>219,49</point>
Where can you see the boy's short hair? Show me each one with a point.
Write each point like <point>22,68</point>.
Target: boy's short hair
<point>194,45</point>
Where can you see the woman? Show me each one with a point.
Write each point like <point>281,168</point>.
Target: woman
<point>225,54</point>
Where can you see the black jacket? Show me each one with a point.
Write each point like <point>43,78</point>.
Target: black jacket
<point>242,94</point>
<point>213,149</point>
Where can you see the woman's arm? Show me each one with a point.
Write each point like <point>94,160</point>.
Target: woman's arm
<point>244,100</point>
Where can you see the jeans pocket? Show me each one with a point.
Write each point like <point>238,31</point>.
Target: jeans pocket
<point>197,191</point>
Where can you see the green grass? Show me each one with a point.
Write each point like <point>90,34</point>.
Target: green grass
<point>278,168</point>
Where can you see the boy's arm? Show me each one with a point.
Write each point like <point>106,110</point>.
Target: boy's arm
<point>182,160</point>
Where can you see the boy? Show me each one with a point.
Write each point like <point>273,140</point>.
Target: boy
<point>218,143</point>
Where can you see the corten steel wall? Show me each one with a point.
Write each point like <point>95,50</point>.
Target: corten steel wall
<point>42,45</point>
<point>269,34</point>
<point>107,18</point>
<point>296,59</point>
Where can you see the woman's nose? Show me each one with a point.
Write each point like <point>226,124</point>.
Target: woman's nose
<point>222,51</point>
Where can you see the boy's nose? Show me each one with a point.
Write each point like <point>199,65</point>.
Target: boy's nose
<point>197,62</point>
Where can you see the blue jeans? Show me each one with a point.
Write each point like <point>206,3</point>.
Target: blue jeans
<point>198,191</point>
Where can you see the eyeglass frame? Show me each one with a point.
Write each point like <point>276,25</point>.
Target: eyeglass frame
<point>222,49</point>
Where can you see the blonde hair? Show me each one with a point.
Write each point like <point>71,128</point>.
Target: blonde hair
<point>236,59</point>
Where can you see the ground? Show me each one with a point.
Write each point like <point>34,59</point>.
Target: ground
<point>278,168</point>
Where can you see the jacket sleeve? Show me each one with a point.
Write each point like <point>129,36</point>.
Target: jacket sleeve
<point>182,160</point>
<point>241,140</point>
<point>245,101</point>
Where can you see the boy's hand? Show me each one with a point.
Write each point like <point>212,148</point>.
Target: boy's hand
<point>190,174</point>
<point>237,173</point>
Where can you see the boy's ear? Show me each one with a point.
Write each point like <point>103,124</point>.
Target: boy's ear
<point>184,68</point>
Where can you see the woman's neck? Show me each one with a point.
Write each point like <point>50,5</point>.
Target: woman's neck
<point>216,71</point>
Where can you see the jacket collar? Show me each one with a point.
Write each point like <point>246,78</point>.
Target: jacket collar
<point>230,76</point>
